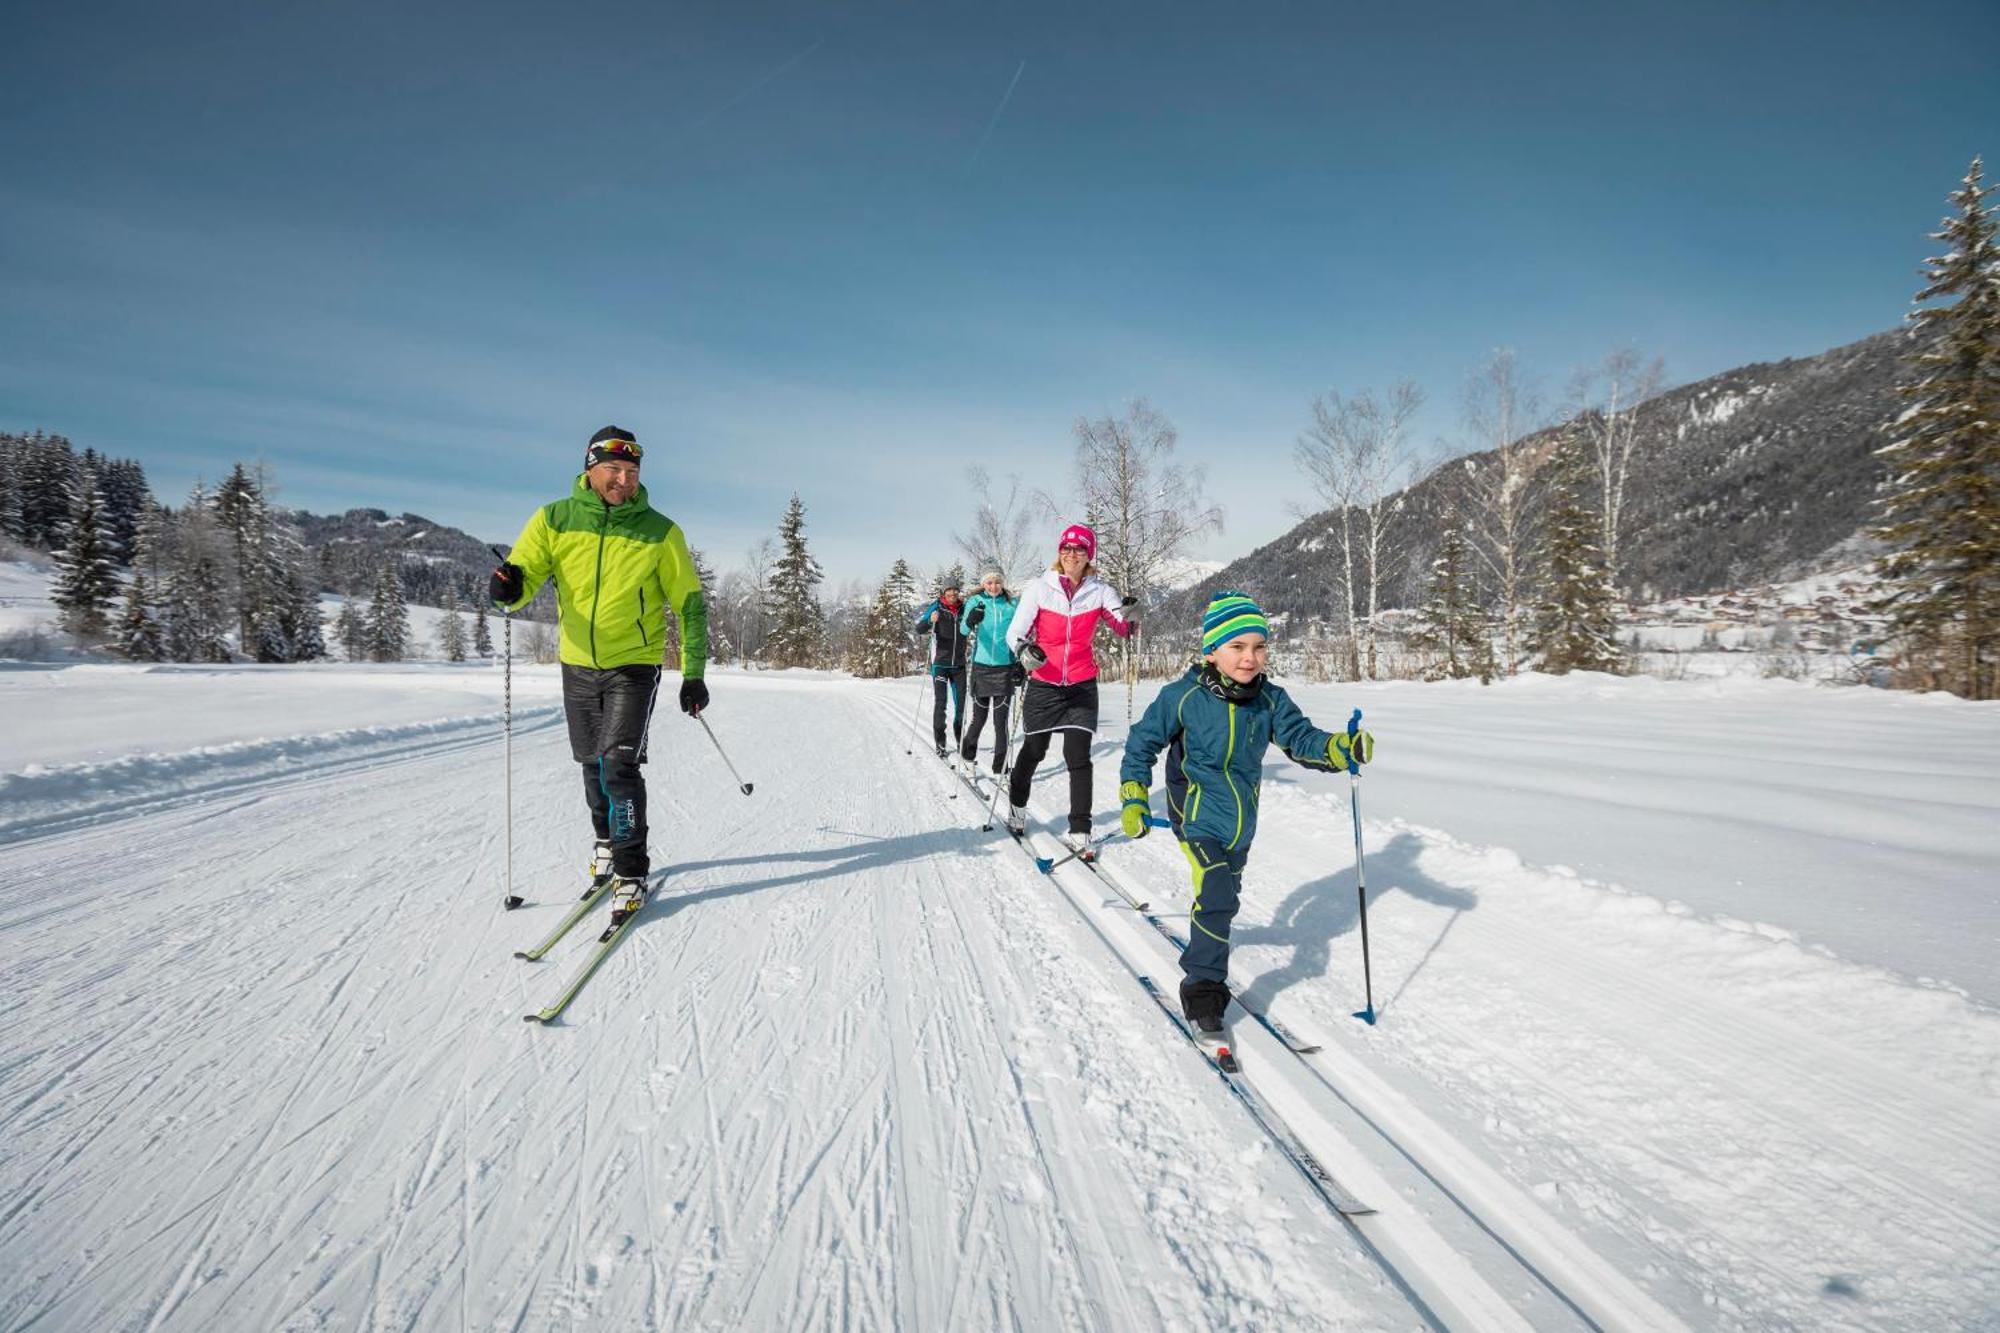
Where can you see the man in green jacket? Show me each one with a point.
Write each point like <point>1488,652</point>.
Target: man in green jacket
<point>619,566</point>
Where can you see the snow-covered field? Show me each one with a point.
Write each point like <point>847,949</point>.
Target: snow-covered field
<point>1689,1014</point>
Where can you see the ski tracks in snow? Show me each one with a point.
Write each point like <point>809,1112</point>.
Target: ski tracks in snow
<point>852,1068</point>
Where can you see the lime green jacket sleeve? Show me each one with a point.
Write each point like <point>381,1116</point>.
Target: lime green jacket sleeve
<point>683,587</point>
<point>534,552</point>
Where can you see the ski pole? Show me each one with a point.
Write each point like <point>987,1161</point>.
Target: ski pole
<point>512,899</point>
<point>746,786</point>
<point>924,687</point>
<point>1360,867</point>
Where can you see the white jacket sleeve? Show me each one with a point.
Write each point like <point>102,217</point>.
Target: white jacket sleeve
<point>1023,623</point>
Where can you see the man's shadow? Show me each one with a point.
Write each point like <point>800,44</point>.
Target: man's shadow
<point>1315,914</point>
<point>817,863</point>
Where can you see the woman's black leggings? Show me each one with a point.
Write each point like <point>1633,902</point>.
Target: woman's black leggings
<point>1076,756</point>
<point>997,705</point>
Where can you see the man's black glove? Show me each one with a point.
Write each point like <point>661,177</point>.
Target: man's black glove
<point>974,616</point>
<point>694,697</point>
<point>505,587</point>
<point>1032,656</point>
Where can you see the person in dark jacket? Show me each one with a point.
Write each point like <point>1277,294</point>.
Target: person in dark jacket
<point>948,657</point>
<point>994,672</point>
<point>1214,724</point>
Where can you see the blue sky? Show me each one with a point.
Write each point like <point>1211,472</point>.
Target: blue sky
<point>413,260</point>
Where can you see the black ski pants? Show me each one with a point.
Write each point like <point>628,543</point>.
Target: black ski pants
<point>998,706</point>
<point>608,712</point>
<point>948,683</point>
<point>1045,710</point>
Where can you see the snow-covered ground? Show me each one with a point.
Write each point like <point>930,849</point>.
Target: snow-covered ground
<point>1689,1012</point>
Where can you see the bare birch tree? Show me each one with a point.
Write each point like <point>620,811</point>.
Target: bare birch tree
<point>1355,453</point>
<point>1607,400</point>
<point>1147,508</point>
<point>1503,417</point>
<point>1002,531</point>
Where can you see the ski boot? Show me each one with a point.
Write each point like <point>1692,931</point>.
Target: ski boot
<point>600,866</point>
<point>628,895</point>
<point>1017,820</point>
<point>1080,845</point>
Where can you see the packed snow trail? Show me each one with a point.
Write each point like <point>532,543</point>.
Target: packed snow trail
<point>852,1068</point>
<point>1768,1135</point>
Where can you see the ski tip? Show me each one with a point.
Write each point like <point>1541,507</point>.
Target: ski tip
<point>523,953</point>
<point>512,901</point>
<point>534,1018</point>
<point>1366,1015</point>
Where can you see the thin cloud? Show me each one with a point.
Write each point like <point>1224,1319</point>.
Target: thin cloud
<point>755,85</point>
<point>994,119</point>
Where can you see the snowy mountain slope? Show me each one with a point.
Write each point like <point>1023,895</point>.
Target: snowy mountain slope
<point>859,1065</point>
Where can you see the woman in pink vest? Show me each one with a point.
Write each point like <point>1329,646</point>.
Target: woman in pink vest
<point>1051,634</point>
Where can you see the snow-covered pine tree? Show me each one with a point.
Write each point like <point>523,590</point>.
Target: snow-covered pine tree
<point>1941,511</point>
<point>122,484</point>
<point>299,614</point>
<point>884,648</point>
<point>197,598</point>
<point>1577,629</point>
<point>85,586</point>
<point>239,507</point>
<point>140,638</point>
<point>388,617</point>
<point>351,630</point>
<point>13,458</point>
<point>451,633</point>
<point>1451,625</point>
<point>722,646</point>
<point>47,481</point>
<point>482,635</point>
<point>152,539</point>
<point>798,624</point>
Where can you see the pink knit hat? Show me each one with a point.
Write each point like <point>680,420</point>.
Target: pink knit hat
<point>1078,535</point>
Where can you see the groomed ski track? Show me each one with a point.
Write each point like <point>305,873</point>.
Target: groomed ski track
<point>1472,1252</point>
<point>853,1069</point>
<point>858,1066</point>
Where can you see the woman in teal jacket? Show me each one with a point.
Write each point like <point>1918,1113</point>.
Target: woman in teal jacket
<point>994,673</point>
<point>1214,723</point>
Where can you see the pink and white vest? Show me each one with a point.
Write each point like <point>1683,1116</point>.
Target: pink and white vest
<point>1062,622</point>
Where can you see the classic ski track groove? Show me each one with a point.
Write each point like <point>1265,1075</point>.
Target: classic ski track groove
<point>1505,1238</point>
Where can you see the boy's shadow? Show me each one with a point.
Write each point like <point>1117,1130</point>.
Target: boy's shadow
<point>1317,913</point>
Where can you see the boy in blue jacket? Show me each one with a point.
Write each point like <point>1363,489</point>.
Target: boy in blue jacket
<point>1214,723</point>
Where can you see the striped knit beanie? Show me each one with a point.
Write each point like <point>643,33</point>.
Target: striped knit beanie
<point>1230,614</point>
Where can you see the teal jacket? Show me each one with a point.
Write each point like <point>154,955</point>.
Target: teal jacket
<point>1215,759</point>
<point>989,640</point>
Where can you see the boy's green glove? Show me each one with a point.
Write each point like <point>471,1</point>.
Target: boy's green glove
<point>1347,758</point>
<point>1137,817</point>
